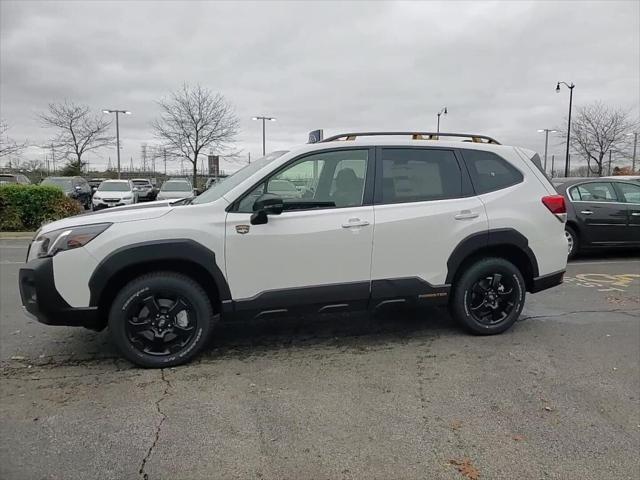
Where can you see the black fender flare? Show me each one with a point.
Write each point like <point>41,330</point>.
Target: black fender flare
<point>490,238</point>
<point>182,249</point>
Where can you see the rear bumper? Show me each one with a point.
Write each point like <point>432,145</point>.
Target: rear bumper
<point>547,281</point>
<point>41,299</point>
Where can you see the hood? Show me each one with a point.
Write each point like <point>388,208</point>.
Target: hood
<point>176,195</point>
<point>128,213</point>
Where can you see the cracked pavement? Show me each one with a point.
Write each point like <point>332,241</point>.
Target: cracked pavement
<point>405,394</point>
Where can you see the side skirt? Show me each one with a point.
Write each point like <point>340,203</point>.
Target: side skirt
<point>335,298</point>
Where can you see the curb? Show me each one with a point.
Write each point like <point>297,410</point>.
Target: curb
<point>16,235</point>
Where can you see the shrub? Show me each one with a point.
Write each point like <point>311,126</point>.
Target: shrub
<point>27,207</point>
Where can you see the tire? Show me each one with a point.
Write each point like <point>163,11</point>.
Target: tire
<point>573,241</point>
<point>151,310</point>
<point>476,292</point>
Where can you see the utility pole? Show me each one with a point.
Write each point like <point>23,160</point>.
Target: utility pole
<point>117,112</point>
<point>553,161</point>
<point>164,153</point>
<point>53,158</point>
<point>635,145</point>
<point>546,143</point>
<point>249,158</point>
<point>609,170</point>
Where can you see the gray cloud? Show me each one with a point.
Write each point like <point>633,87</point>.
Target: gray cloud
<point>336,65</point>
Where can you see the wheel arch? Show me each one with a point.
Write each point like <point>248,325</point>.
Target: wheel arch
<point>183,256</point>
<point>504,243</point>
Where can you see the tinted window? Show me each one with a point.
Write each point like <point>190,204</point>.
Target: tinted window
<point>114,187</point>
<point>489,171</point>
<point>321,180</point>
<point>630,192</point>
<point>176,186</point>
<point>594,192</point>
<point>418,175</point>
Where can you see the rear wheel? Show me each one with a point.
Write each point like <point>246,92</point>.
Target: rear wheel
<point>489,296</point>
<point>572,241</point>
<point>161,319</point>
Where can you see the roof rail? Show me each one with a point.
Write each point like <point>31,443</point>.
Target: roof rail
<point>472,137</point>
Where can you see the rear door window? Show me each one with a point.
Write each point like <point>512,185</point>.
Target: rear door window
<point>419,175</point>
<point>489,171</point>
<point>630,192</point>
<point>594,192</point>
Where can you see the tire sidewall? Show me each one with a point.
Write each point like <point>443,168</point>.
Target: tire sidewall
<point>573,234</point>
<point>463,291</point>
<point>182,286</point>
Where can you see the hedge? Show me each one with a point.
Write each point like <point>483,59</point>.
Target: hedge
<point>27,207</point>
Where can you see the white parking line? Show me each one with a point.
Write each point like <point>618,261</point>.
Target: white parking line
<point>596,262</point>
<point>8,262</point>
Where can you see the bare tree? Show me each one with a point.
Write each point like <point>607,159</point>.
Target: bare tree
<point>78,131</point>
<point>597,130</point>
<point>8,146</point>
<point>193,118</point>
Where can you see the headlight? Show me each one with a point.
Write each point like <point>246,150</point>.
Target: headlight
<point>96,196</point>
<point>48,244</point>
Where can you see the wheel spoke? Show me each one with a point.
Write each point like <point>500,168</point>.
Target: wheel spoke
<point>152,305</point>
<point>495,280</point>
<point>177,307</point>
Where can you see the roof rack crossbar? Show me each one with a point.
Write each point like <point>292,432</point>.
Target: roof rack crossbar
<point>473,137</point>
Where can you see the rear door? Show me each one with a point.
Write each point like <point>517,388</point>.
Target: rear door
<point>629,193</point>
<point>424,207</point>
<point>602,215</point>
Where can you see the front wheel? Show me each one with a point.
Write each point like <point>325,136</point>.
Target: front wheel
<point>161,320</point>
<point>489,296</point>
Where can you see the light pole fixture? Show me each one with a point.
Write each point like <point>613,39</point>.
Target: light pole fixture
<point>570,86</point>
<point>264,119</point>
<point>635,145</point>
<point>117,112</point>
<point>546,143</point>
<point>443,111</point>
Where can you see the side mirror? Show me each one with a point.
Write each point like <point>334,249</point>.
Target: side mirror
<point>267,204</point>
<point>78,188</point>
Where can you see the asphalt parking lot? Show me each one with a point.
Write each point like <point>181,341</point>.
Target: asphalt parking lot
<point>405,394</point>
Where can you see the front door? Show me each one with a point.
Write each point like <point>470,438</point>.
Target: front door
<point>317,252</point>
<point>602,215</point>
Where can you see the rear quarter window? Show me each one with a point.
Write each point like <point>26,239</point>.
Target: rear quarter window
<point>490,172</point>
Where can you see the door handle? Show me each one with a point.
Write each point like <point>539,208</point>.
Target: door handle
<point>355,222</point>
<point>466,215</point>
<point>636,214</point>
<point>586,212</point>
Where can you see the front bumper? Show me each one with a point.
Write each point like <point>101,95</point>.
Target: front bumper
<point>98,204</point>
<point>547,281</point>
<point>41,299</point>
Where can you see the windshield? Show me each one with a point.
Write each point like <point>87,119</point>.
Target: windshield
<point>176,186</point>
<point>63,183</point>
<point>114,187</point>
<point>220,188</point>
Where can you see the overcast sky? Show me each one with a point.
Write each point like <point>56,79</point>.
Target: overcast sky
<point>338,66</point>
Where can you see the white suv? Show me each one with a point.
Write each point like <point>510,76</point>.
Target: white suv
<point>379,219</point>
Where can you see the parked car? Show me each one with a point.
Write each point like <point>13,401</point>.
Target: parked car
<point>175,189</point>
<point>601,213</point>
<point>114,193</point>
<point>94,183</point>
<point>76,188</point>
<point>392,220</point>
<point>145,189</point>
<point>18,178</point>
<point>210,182</point>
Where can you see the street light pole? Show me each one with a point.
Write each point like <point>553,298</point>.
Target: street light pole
<point>117,112</point>
<point>570,87</point>
<point>443,110</point>
<point>264,119</point>
<point>546,143</point>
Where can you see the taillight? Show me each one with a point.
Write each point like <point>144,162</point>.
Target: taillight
<point>556,205</point>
